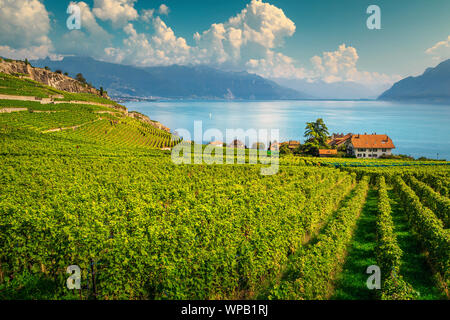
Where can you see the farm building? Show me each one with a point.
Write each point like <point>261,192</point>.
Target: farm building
<point>338,140</point>
<point>275,146</point>
<point>216,143</point>
<point>326,153</point>
<point>292,144</point>
<point>370,145</point>
<point>237,144</point>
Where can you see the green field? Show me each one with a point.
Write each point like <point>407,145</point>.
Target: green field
<point>104,197</point>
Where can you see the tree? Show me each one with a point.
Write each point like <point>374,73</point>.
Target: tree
<point>79,77</point>
<point>284,149</point>
<point>316,132</point>
<point>26,61</point>
<point>101,91</point>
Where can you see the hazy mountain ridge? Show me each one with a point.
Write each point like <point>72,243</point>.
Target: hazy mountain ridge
<point>432,86</point>
<point>176,82</point>
<point>335,90</point>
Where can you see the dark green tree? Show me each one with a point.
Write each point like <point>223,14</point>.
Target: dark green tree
<point>317,132</point>
<point>80,78</point>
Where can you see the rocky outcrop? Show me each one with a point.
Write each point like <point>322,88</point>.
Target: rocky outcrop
<point>56,80</point>
<point>144,118</point>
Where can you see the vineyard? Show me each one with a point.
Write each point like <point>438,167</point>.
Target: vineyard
<point>98,193</point>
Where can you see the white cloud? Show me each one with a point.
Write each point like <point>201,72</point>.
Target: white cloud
<point>147,15</point>
<point>91,39</point>
<point>163,9</point>
<point>440,51</point>
<point>276,65</point>
<point>119,12</point>
<point>340,65</point>
<point>24,23</point>
<point>31,53</point>
<point>163,48</point>
<point>251,34</point>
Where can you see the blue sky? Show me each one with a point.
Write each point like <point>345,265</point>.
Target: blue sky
<point>315,40</point>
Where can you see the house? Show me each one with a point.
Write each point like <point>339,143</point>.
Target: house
<point>370,145</point>
<point>275,146</point>
<point>216,143</point>
<point>327,153</point>
<point>237,144</point>
<point>338,140</point>
<point>259,146</point>
<point>292,144</point>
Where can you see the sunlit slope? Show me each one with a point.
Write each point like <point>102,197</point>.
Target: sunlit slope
<point>77,117</point>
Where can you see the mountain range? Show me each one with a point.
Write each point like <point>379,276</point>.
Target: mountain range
<point>173,82</point>
<point>432,86</point>
<point>334,90</point>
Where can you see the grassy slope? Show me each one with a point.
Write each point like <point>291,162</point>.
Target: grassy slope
<point>11,85</point>
<point>116,128</point>
<point>351,283</point>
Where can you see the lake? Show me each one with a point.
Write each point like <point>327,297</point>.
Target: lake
<point>416,129</point>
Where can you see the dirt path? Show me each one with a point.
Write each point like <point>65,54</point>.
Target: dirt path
<point>69,128</point>
<point>9,110</point>
<point>51,100</point>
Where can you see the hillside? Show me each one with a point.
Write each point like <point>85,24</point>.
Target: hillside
<point>432,86</point>
<point>175,82</point>
<point>35,108</point>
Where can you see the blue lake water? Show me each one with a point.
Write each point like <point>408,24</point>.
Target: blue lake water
<point>416,129</point>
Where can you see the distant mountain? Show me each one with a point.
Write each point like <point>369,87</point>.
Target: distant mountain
<point>432,86</point>
<point>336,90</point>
<point>176,82</point>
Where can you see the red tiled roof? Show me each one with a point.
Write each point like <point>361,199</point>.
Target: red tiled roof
<point>339,141</point>
<point>372,141</point>
<point>327,151</point>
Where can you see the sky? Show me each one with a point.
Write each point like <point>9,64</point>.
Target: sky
<point>325,40</point>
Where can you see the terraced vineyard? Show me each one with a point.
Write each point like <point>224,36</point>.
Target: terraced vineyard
<point>98,193</point>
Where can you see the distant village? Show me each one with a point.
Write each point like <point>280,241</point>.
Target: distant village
<point>367,146</point>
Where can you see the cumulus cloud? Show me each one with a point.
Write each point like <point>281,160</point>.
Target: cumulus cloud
<point>440,51</point>
<point>163,9</point>
<point>24,29</point>
<point>147,15</point>
<point>251,34</point>
<point>276,65</point>
<point>340,65</point>
<point>31,53</point>
<point>163,48</point>
<point>90,39</point>
<point>119,12</point>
